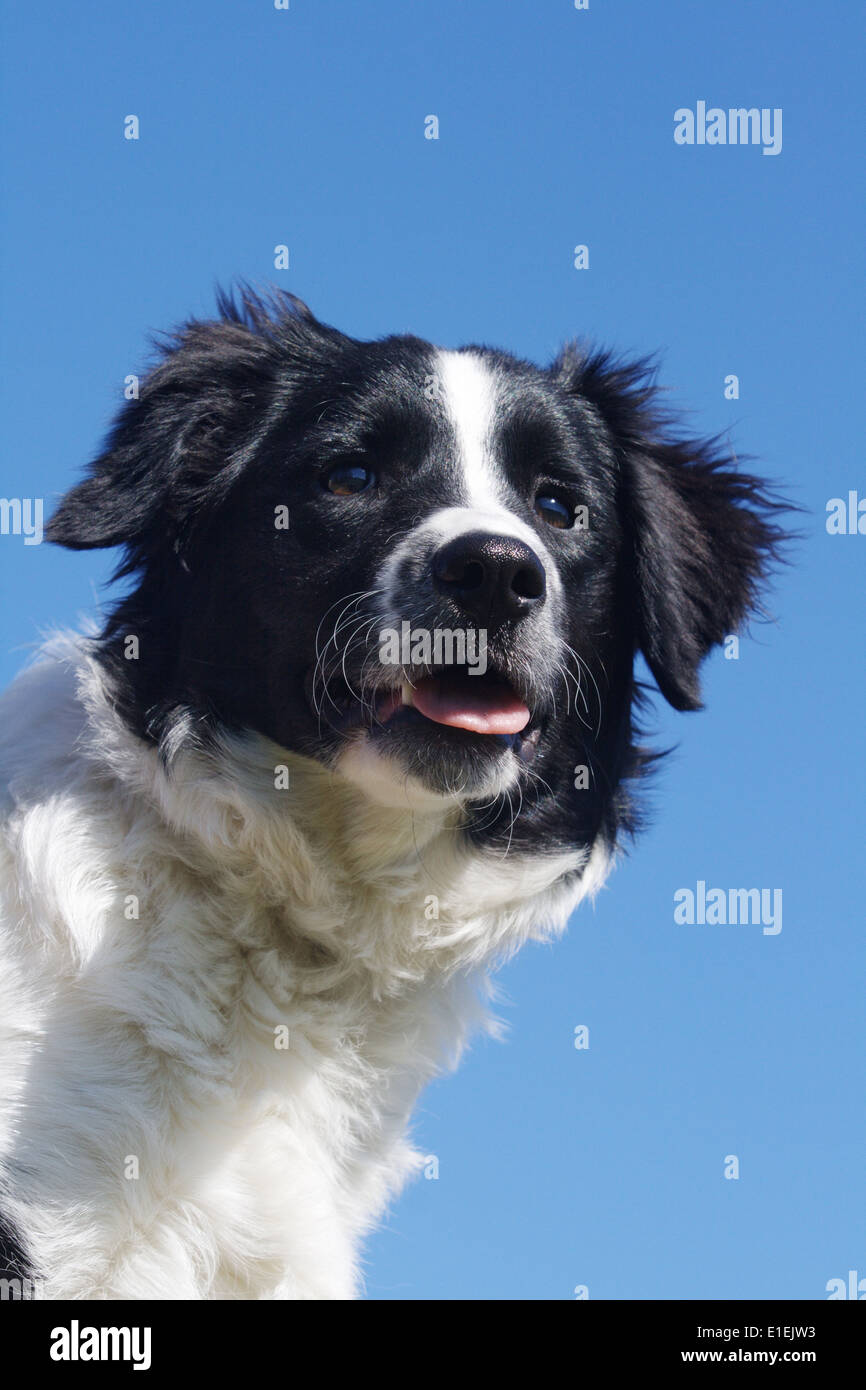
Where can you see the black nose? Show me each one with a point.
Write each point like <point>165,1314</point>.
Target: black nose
<point>494,579</point>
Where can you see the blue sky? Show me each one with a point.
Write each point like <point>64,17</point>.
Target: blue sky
<point>558,1167</point>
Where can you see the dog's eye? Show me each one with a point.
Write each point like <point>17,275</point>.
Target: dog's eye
<point>348,479</point>
<point>554,511</point>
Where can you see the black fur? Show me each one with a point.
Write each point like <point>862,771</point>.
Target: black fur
<point>14,1262</point>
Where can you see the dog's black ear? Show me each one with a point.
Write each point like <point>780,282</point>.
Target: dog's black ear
<point>701,533</point>
<point>185,438</point>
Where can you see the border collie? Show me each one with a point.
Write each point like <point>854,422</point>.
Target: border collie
<point>361,723</point>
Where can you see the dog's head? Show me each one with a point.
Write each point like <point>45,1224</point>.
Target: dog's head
<point>430,570</point>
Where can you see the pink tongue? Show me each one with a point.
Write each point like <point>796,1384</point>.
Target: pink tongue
<point>471,702</point>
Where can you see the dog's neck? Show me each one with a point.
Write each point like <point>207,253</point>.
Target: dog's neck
<point>311,960</point>
<point>397,891</point>
<point>398,894</point>
<point>392,895</point>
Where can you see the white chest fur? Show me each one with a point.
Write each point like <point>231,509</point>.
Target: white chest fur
<point>221,1000</point>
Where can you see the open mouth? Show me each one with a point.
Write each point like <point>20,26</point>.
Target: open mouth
<point>457,700</point>
<point>481,712</point>
<point>449,704</point>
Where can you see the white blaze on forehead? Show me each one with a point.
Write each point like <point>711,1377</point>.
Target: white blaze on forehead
<point>467,391</point>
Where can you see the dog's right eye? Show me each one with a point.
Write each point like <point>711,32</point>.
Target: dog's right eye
<point>348,479</point>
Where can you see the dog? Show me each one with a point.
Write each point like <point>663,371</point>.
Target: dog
<point>363,720</point>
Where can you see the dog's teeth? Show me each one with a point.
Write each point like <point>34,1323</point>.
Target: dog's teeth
<point>406,692</point>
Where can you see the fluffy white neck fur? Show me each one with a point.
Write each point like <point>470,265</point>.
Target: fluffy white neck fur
<point>240,991</point>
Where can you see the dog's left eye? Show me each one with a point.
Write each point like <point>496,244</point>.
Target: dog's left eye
<point>554,511</point>
<point>348,479</point>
